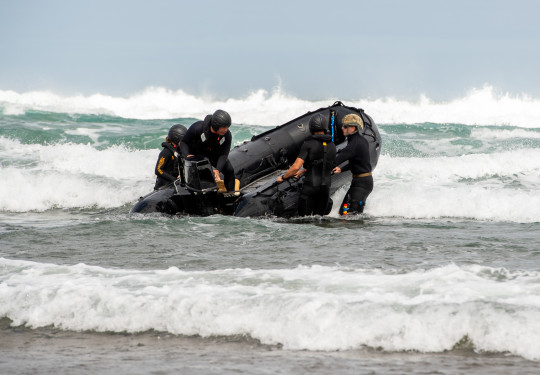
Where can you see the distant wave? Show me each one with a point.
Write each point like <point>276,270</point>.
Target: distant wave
<point>481,106</point>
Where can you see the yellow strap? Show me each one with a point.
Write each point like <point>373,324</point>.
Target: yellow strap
<point>362,175</point>
<point>160,164</point>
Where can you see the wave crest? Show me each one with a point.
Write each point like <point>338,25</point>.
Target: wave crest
<point>307,308</point>
<point>484,106</point>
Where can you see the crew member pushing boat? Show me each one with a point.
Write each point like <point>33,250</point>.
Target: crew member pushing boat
<point>317,155</point>
<point>357,153</point>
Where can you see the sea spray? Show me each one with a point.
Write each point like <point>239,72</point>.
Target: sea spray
<point>481,106</point>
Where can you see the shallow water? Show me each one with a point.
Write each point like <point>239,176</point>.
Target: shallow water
<point>440,275</point>
<point>53,351</point>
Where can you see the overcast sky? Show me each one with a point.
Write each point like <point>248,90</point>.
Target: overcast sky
<point>313,49</point>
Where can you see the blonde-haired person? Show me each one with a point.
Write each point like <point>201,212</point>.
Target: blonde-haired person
<point>357,153</point>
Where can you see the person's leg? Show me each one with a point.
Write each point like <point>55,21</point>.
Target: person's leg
<point>358,193</point>
<point>305,201</point>
<point>345,201</point>
<point>321,200</point>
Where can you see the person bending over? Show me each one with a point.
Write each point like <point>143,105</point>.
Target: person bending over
<point>211,138</point>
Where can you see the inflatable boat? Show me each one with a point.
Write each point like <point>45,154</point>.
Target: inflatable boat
<point>257,163</point>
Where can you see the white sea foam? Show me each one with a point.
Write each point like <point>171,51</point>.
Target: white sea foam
<point>483,106</point>
<point>502,186</point>
<point>498,186</point>
<point>486,134</point>
<point>307,308</point>
<point>72,176</point>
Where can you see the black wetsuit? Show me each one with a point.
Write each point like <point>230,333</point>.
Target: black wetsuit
<point>357,153</point>
<point>319,155</point>
<point>167,165</point>
<point>199,140</point>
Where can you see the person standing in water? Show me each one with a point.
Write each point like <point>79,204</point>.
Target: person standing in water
<point>317,155</point>
<point>357,153</point>
<point>169,163</point>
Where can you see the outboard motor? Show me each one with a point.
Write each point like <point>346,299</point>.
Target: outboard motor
<point>199,175</point>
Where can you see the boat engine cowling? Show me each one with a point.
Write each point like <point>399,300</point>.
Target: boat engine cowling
<point>199,175</point>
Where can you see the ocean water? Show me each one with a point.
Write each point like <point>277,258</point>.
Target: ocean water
<point>441,274</point>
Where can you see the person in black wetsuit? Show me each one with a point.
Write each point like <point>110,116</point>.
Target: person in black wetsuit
<point>317,155</point>
<point>211,138</point>
<point>169,161</point>
<point>357,153</point>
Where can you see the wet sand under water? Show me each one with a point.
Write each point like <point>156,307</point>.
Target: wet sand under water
<point>53,351</point>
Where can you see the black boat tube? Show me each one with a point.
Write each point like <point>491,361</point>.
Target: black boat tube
<point>281,200</point>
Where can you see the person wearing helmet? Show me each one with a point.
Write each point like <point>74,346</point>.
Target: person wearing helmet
<point>169,164</point>
<point>357,153</point>
<point>317,155</point>
<point>211,138</point>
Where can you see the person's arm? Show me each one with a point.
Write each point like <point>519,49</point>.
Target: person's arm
<point>298,163</point>
<point>164,159</point>
<point>344,169</point>
<point>190,139</point>
<point>224,154</point>
<point>346,154</point>
<point>300,173</point>
<point>185,150</point>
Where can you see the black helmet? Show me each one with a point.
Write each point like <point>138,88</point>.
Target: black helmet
<point>318,123</point>
<point>220,119</point>
<point>176,133</point>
